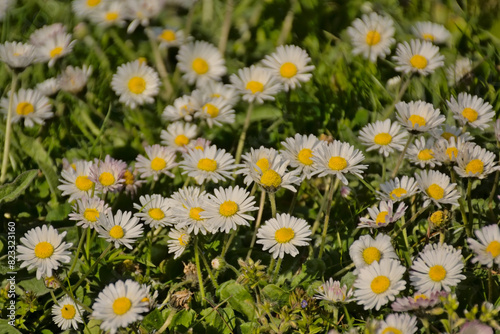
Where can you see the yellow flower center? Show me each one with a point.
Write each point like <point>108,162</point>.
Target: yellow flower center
<point>418,61</point>
<point>129,177</point>
<point>142,60</point>
<point>288,70</point>
<point>372,37</point>
<point>210,109</point>
<point>106,179</point>
<point>181,140</point>
<point>452,152</point>
<point>475,166</point>
<point>56,52</point>
<point>228,208</point>
<point>397,193</point>
<point>337,163</point>
<point>121,305</point>
<point>111,16</point>
<point>470,114</point>
<point>200,66</point>
<point>381,217</point>
<point>24,108</point>
<point>158,164</point>
<point>168,35</point>
<point>304,156</point>
<point>391,330</point>
<point>83,183</point>
<point>284,235</point>
<point>382,139</point>
<point>199,148</point>
<point>428,37</point>
<point>91,215</point>
<point>116,232</point>
<point>181,240</point>
<point>437,273</point>
<point>435,191</point>
<point>425,154</point>
<point>156,214</point>
<point>270,179</point>
<point>380,284</point>
<point>421,296</point>
<point>415,119</point>
<point>371,254</point>
<point>137,85</point>
<point>43,250</point>
<point>194,213</point>
<point>93,3</point>
<point>448,135</point>
<point>207,165</point>
<point>437,217</point>
<point>254,87</point>
<point>493,248</point>
<point>68,311</point>
<point>263,164</point>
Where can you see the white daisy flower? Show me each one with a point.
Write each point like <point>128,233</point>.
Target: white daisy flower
<point>367,250</point>
<point>170,37</point>
<point>436,187</point>
<point>178,135</point>
<point>56,44</point>
<point>459,70</point>
<point>418,116</point>
<point>299,150</point>
<point>210,164</point>
<point>432,32</point>
<point>200,62</point>
<point>76,182</point>
<point>471,110</point>
<point>332,292</point>
<point>216,111</point>
<point>418,56</point>
<point>17,55</point>
<point>108,174</point>
<point>179,239</point>
<point>450,131</point>
<point>497,129</point>
<point>67,314</point>
<point>475,161</point>
<point>141,11</point>
<point>198,144</point>
<point>274,175</point>
<point>28,105</point>
<point>159,160</point>
<point>154,211</point>
<point>85,8</point>
<point>39,36</point>
<point>487,249</point>
<point>262,157</point>
<point>255,84</point>
<point>120,304</point>
<point>338,158</point>
<point>48,87</point>
<point>379,283</point>
<point>4,8</point>
<point>113,13</point>
<point>438,267</point>
<point>43,249</point>
<point>280,235</point>
<point>187,207</point>
<point>227,209</point>
<point>383,136</point>
<point>383,215</point>
<point>120,229</point>
<point>421,153</point>
<point>398,189</point>
<point>74,79</point>
<point>131,183</point>
<point>419,301</point>
<point>447,151</point>
<point>398,324</point>
<point>181,110</point>
<point>289,65</point>
<point>372,36</point>
<point>215,89</point>
<point>86,211</point>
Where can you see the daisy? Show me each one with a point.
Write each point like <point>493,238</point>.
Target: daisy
<point>17,55</point>
<point>497,130</point>
<point>131,182</point>
<point>39,36</point>
<point>418,116</point>
<point>280,235</point>
<point>367,250</point>
<point>475,327</point>
<point>418,56</point>
<point>179,239</point>
<point>74,79</point>
<point>67,314</point>
<point>178,135</point>
<point>398,189</point>
<point>438,267</point>
<point>383,136</point>
<point>419,301</point>
<point>228,208</point>
<point>255,84</point>
<point>432,32</point>
<point>398,323</point>
<point>338,158</point>
<point>120,304</point>
<point>438,218</point>
<point>299,150</point>
<point>332,292</point>
<point>141,11</point>
<point>108,174</point>
<point>379,283</point>
<point>200,62</point>
<point>135,83</point>
<point>450,131</point>
<point>383,215</point>
<point>54,45</point>
<point>198,144</point>
<point>421,153</point>
<point>487,249</point>
<point>85,8</point>
<point>262,157</point>
<point>76,182</point>
<point>474,161</point>
<point>120,229</point>
<point>211,164</point>
<point>471,110</point>
<point>436,187</point>
<point>215,89</point>
<point>86,211</point>
<point>43,249</point>
<point>459,70</point>
<point>159,160</point>
<point>188,204</point>
<point>274,176</point>
<point>28,105</point>
<point>169,37</point>
<point>289,66</point>
<point>181,109</point>
<point>48,87</point>
<point>372,36</point>
<point>447,151</point>
<point>113,13</point>
<point>154,211</point>
<point>4,8</point>
<point>216,111</point>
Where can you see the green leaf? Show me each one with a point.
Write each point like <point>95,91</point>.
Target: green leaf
<point>214,322</point>
<point>60,212</point>
<point>34,285</point>
<point>153,320</point>
<point>248,327</point>
<point>6,328</point>
<point>239,298</point>
<point>183,318</point>
<point>275,294</point>
<point>11,191</point>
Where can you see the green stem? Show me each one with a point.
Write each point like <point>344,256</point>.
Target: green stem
<point>126,51</point>
<point>402,90</point>
<point>271,266</point>
<point>243,134</point>
<point>228,243</point>
<point>383,167</point>
<point>162,71</point>
<point>471,211</point>
<point>69,292</point>
<point>321,209</point>
<point>92,268</point>
<point>287,23</point>
<point>296,195</point>
<point>461,205</point>
<point>198,271</point>
<point>257,222</point>
<point>412,219</point>
<point>277,268</point>
<point>8,129</point>
<point>348,317</point>
<point>333,187</point>
<point>401,157</point>
<point>272,200</point>
<point>226,26</point>
<point>209,269</point>
<point>490,286</point>
<point>79,248</point>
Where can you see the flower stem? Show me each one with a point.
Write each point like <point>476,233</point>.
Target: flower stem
<point>8,128</point>
<point>321,209</point>
<point>226,26</point>
<point>272,199</point>
<point>277,268</point>
<point>92,268</point>
<point>402,90</point>
<point>401,157</point>
<point>412,219</point>
<point>334,185</point>
<point>198,271</point>
<point>471,211</point>
<point>287,23</point>
<point>207,265</point>
<point>257,222</point>
<point>228,243</point>
<point>80,244</point>
<point>461,205</point>
<point>243,134</point>
<point>159,63</point>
